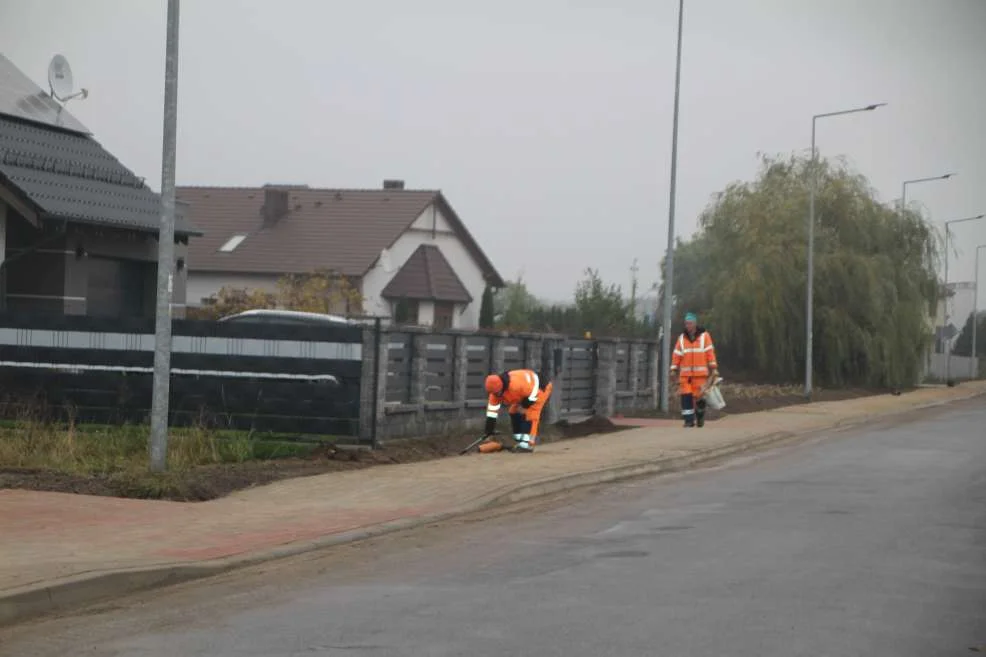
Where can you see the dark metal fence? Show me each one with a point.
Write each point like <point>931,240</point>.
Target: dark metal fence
<point>247,377</point>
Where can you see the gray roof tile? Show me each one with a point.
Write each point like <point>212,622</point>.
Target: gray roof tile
<point>71,176</point>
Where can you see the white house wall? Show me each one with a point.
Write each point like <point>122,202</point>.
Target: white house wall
<point>455,252</point>
<point>432,219</point>
<point>426,313</point>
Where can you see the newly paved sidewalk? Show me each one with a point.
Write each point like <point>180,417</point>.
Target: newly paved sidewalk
<point>50,538</point>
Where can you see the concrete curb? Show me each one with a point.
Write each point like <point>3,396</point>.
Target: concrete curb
<point>91,588</point>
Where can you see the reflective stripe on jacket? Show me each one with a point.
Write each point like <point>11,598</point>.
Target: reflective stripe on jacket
<point>696,356</point>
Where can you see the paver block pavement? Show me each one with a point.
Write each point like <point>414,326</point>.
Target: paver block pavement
<point>49,537</point>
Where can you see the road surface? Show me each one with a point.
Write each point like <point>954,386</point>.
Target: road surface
<point>870,542</point>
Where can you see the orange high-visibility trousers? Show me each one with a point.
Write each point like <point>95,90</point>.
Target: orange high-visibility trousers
<point>529,419</point>
<point>691,385</point>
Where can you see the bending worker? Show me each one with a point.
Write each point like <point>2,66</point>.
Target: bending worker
<point>693,361</point>
<point>525,392</point>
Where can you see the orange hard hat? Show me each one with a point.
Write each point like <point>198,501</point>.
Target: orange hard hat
<point>494,384</point>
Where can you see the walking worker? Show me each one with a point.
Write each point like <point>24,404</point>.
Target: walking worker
<point>525,392</point>
<point>693,362</point>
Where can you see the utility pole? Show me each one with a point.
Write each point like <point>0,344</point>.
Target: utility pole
<point>948,343</point>
<point>669,258</point>
<point>903,207</point>
<point>973,374</point>
<point>166,252</point>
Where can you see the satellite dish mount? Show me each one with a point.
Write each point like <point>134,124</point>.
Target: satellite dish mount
<point>60,81</point>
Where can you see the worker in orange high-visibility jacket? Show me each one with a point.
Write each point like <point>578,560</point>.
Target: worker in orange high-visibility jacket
<point>693,361</point>
<point>525,392</point>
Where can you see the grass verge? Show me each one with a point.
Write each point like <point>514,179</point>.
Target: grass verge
<point>203,464</point>
<point>116,458</point>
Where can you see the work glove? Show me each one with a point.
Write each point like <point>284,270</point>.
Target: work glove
<point>526,403</point>
<point>490,426</point>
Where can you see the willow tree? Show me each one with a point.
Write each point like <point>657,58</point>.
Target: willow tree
<point>875,277</point>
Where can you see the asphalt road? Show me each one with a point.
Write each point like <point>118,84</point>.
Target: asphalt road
<point>865,543</point>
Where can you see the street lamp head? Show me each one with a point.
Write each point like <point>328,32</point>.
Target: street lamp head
<point>962,221</point>
<point>874,106</point>
<point>947,176</point>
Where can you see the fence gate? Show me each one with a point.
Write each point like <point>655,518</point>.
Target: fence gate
<point>579,392</point>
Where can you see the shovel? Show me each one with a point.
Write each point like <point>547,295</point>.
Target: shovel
<point>473,445</point>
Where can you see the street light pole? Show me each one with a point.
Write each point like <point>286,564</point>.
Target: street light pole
<point>669,258</point>
<point>903,205</point>
<point>810,292</point>
<point>948,348</point>
<point>973,374</point>
<point>166,250</point>
<point>903,188</point>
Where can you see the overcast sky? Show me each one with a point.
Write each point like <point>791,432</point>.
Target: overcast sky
<point>547,123</point>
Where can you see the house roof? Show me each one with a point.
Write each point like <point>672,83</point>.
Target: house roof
<point>68,175</point>
<point>427,275</point>
<point>342,229</point>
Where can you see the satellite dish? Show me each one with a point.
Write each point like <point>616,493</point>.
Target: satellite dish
<point>60,80</point>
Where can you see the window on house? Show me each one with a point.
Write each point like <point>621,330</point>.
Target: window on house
<point>232,243</point>
<point>444,312</point>
<point>406,311</point>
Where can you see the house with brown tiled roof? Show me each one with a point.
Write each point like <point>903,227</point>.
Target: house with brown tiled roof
<point>406,251</point>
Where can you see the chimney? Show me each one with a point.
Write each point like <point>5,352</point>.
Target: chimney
<point>275,204</point>
<point>393,184</point>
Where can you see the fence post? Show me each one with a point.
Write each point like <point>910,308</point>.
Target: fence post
<point>654,373</point>
<point>532,351</point>
<point>379,379</point>
<point>419,368</point>
<point>496,352</point>
<point>460,361</point>
<point>633,354</point>
<point>552,362</point>
<point>605,378</point>
<point>373,384</point>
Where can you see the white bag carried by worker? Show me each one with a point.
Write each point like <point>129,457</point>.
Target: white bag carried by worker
<point>713,396</point>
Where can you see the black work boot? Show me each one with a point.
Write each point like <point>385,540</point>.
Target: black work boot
<point>700,413</point>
